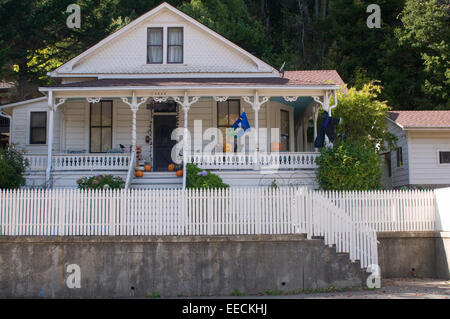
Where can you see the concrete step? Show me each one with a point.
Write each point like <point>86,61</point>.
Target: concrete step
<point>153,180</point>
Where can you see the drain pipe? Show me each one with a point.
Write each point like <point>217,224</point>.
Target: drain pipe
<point>334,105</point>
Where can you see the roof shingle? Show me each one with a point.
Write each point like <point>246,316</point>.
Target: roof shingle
<point>291,78</point>
<point>421,119</point>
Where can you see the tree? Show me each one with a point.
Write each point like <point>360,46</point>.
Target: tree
<point>12,168</point>
<point>349,165</point>
<point>426,28</point>
<point>364,117</point>
<point>230,18</point>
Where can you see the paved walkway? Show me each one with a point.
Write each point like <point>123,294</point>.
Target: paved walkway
<point>402,288</point>
<point>390,288</point>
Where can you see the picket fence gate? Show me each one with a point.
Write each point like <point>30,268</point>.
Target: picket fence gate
<point>348,220</point>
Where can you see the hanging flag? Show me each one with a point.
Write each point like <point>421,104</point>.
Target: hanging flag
<point>241,125</point>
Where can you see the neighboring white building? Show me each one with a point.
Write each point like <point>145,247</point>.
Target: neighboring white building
<point>162,71</point>
<point>423,154</point>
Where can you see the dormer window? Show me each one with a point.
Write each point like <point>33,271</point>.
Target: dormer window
<point>174,45</point>
<point>155,45</point>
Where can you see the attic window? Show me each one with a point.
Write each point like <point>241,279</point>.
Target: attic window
<point>155,45</point>
<point>174,45</point>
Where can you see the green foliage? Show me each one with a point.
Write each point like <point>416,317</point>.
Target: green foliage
<point>198,178</point>
<point>349,165</point>
<point>364,117</point>
<point>101,182</point>
<point>236,292</point>
<point>231,19</point>
<point>426,28</point>
<point>12,168</point>
<point>409,54</point>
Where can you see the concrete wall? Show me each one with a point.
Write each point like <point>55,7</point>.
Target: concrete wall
<point>414,254</point>
<point>170,266</point>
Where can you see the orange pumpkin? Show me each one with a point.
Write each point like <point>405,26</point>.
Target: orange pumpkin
<point>275,147</point>
<point>228,148</point>
<point>171,167</point>
<point>180,173</point>
<point>139,173</point>
<point>137,164</point>
<point>147,167</point>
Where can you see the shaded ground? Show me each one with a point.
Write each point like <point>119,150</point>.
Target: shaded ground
<point>403,288</point>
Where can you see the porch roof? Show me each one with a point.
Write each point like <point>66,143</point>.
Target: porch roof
<point>321,79</point>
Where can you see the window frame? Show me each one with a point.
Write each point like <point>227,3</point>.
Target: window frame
<point>175,45</point>
<point>229,125</point>
<point>31,128</point>
<point>399,157</point>
<point>439,157</point>
<point>154,45</point>
<point>101,126</point>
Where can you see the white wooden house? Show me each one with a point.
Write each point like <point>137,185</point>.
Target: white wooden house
<point>163,71</point>
<point>423,154</point>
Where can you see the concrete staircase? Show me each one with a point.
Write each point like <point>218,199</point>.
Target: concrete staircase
<point>153,180</point>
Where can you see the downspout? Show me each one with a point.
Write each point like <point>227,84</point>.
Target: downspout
<point>335,103</point>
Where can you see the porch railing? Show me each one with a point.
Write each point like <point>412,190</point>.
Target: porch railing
<point>80,162</point>
<point>282,160</point>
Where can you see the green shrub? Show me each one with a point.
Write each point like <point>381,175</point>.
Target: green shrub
<point>101,182</point>
<point>198,178</point>
<point>349,166</point>
<point>12,168</point>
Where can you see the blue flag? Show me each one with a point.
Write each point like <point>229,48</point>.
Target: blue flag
<point>241,125</point>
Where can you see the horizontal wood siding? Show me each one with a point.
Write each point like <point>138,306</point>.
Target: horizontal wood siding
<point>20,135</point>
<point>400,175</point>
<point>424,161</point>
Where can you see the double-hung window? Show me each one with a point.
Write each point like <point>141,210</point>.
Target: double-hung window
<point>101,127</point>
<point>174,45</point>
<point>38,127</point>
<point>155,45</point>
<point>227,114</point>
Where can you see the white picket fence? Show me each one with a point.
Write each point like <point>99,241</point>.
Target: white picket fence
<point>348,220</point>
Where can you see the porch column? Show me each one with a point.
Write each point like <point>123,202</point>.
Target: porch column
<point>134,106</point>
<point>256,106</point>
<point>52,106</point>
<point>185,105</point>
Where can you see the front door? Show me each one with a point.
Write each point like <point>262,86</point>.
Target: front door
<point>162,147</point>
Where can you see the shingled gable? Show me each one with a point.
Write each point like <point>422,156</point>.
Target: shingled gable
<point>128,57</point>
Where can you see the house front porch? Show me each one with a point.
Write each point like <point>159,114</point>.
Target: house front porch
<point>102,126</point>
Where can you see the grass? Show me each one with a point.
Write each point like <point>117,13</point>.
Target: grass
<point>154,295</point>
<point>237,293</point>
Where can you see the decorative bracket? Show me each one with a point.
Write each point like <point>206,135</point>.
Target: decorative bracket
<point>58,103</point>
<point>221,98</point>
<point>325,103</point>
<point>160,99</point>
<point>93,99</point>
<point>186,103</point>
<point>134,104</point>
<point>290,98</point>
<point>256,103</point>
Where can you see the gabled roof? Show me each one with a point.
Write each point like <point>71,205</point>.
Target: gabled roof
<point>67,67</point>
<point>421,119</point>
<point>291,78</point>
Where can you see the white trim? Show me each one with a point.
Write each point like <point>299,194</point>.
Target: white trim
<point>68,66</point>
<point>216,87</point>
<point>43,98</point>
